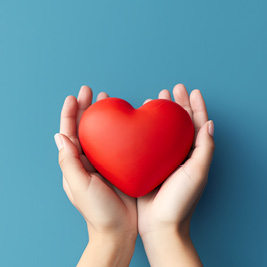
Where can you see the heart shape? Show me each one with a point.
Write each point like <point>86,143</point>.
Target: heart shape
<point>136,149</point>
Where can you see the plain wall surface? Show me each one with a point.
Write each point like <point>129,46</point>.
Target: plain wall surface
<point>131,50</point>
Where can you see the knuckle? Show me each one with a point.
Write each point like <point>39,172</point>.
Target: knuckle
<point>62,160</point>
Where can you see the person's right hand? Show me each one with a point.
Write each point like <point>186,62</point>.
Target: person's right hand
<point>111,216</point>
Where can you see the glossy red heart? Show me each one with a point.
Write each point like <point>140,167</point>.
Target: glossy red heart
<point>136,149</point>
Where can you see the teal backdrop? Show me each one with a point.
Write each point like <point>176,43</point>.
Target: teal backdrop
<point>131,50</point>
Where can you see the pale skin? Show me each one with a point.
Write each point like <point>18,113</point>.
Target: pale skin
<point>162,217</point>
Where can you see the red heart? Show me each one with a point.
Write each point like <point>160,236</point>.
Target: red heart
<point>136,149</point>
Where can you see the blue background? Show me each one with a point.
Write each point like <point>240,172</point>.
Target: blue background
<point>132,50</point>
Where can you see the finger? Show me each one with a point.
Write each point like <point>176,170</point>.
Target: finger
<point>102,95</point>
<point>165,94</point>
<point>197,167</point>
<point>146,101</point>
<point>200,115</point>
<point>68,121</point>
<point>68,117</point>
<point>84,101</point>
<point>181,97</point>
<point>72,168</point>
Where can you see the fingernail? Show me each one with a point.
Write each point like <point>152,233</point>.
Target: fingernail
<point>211,128</point>
<point>59,141</point>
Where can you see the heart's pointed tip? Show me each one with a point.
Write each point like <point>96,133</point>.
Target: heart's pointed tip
<point>136,193</point>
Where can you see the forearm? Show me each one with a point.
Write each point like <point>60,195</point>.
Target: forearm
<point>105,251</point>
<point>168,248</point>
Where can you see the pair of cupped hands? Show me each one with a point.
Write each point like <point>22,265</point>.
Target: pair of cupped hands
<point>162,217</point>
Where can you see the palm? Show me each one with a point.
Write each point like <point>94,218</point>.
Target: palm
<point>103,205</point>
<point>175,200</point>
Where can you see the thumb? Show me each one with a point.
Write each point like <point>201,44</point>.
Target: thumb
<point>72,168</point>
<point>197,166</point>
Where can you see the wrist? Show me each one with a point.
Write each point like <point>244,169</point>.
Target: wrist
<point>112,250</point>
<point>170,247</point>
<point>108,249</point>
<point>113,241</point>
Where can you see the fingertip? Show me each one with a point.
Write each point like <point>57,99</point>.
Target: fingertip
<point>195,91</point>
<point>84,90</point>
<point>85,97</point>
<point>59,141</point>
<point>102,95</point>
<point>85,86</point>
<point>205,135</point>
<point>70,99</point>
<point>178,86</point>
<point>195,94</point>
<point>164,94</point>
<point>70,102</point>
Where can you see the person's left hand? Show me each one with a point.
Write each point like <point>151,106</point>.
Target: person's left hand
<point>164,214</point>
